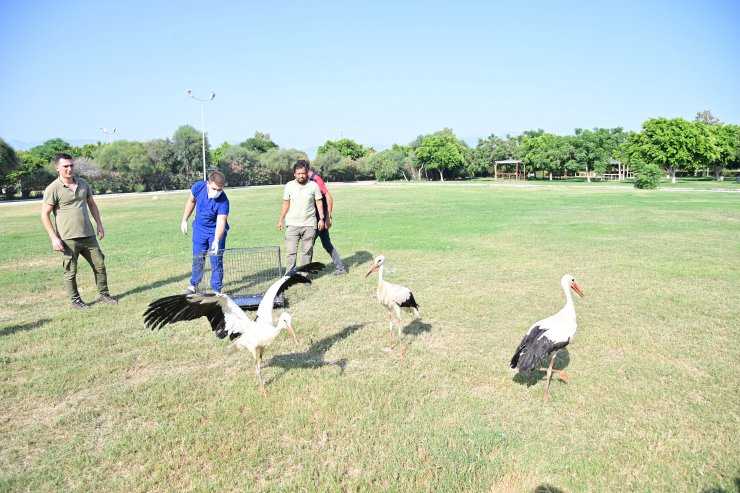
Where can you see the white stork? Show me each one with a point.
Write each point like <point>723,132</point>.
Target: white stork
<point>394,297</point>
<point>549,336</point>
<point>227,319</point>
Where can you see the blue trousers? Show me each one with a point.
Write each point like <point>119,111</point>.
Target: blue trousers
<point>201,243</point>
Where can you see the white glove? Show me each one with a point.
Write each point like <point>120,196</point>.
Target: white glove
<point>184,227</point>
<point>214,247</point>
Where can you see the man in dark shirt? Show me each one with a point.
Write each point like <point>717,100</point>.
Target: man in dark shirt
<point>323,233</point>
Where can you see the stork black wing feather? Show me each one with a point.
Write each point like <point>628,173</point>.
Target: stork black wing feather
<point>410,302</point>
<point>296,276</point>
<point>525,347</point>
<point>181,307</point>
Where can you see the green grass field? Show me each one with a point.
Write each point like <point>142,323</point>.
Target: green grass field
<point>92,401</point>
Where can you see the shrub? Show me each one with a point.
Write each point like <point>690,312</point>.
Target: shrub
<point>647,175</point>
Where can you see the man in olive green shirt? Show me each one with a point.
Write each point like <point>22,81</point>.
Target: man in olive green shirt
<point>301,199</point>
<point>70,198</point>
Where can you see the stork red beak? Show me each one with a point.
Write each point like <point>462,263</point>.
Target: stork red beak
<point>372,269</point>
<point>577,289</point>
<point>292,332</point>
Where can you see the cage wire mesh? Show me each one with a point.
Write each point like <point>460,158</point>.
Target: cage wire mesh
<point>247,273</point>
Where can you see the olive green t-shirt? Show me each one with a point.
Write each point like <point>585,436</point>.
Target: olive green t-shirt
<point>303,199</point>
<point>70,208</point>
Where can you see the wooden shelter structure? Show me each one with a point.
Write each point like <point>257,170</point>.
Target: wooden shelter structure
<point>516,175</point>
<point>623,171</point>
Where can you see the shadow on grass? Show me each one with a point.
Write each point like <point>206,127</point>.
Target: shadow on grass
<point>153,285</point>
<point>561,362</point>
<point>547,488</point>
<point>358,258</point>
<point>313,357</point>
<point>12,329</point>
<point>722,490</point>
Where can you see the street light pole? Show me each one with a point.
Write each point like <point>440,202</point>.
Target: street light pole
<point>109,133</point>
<point>203,125</point>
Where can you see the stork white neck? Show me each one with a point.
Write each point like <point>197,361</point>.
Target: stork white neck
<point>569,309</point>
<point>380,273</point>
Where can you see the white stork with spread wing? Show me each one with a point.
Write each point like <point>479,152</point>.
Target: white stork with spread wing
<point>549,336</point>
<point>227,319</point>
<point>394,298</point>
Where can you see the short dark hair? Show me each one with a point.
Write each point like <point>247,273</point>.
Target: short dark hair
<point>62,155</point>
<point>301,163</point>
<point>218,178</point>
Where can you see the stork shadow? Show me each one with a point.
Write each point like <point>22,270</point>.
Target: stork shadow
<point>415,328</point>
<point>722,490</point>
<point>547,488</point>
<point>531,378</point>
<point>12,329</point>
<point>313,357</point>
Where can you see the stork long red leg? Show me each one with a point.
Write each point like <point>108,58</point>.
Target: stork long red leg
<point>549,376</point>
<point>259,372</point>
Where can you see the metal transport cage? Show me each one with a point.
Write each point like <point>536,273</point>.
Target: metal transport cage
<point>247,273</point>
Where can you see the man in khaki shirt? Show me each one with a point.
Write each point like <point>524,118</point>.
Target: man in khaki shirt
<point>70,198</point>
<point>301,198</point>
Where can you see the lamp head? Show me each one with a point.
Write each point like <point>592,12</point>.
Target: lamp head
<point>190,93</point>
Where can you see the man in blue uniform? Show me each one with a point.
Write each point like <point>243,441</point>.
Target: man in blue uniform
<point>209,228</point>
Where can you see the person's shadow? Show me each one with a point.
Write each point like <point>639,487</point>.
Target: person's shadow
<point>356,259</point>
<point>561,362</point>
<point>313,357</point>
<point>150,286</point>
<point>12,329</point>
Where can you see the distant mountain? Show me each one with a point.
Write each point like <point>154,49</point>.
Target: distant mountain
<point>22,146</point>
<point>19,145</point>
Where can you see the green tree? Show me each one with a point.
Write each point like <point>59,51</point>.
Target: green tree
<point>50,148</point>
<point>594,148</point>
<point>647,175</point>
<point>672,144</point>
<point>726,139</point>
<point>442,152</point>
<point>280,162</point>
<point>217,153</point>
<point>490,150</point>
<point>242,167</point>
<point>124,156</point>
<point>187,144</point>
<point>34,174</point>
<point>87,150</point>
<point>260,143</point>
<point>346,148</point>
<point>548,152</point>
<point>707,118</point>
<point>164,170</point>
<point>127,166</point>
<point>332,164</point>
<point>9,163</point>
<point>388,165</point>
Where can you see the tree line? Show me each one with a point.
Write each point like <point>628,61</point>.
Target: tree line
<point>661,146</point>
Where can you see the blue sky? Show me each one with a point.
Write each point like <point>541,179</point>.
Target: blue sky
<point>378,72</point>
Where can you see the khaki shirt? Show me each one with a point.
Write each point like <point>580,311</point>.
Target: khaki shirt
<point>70,208</point>
<point>302,211</point>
